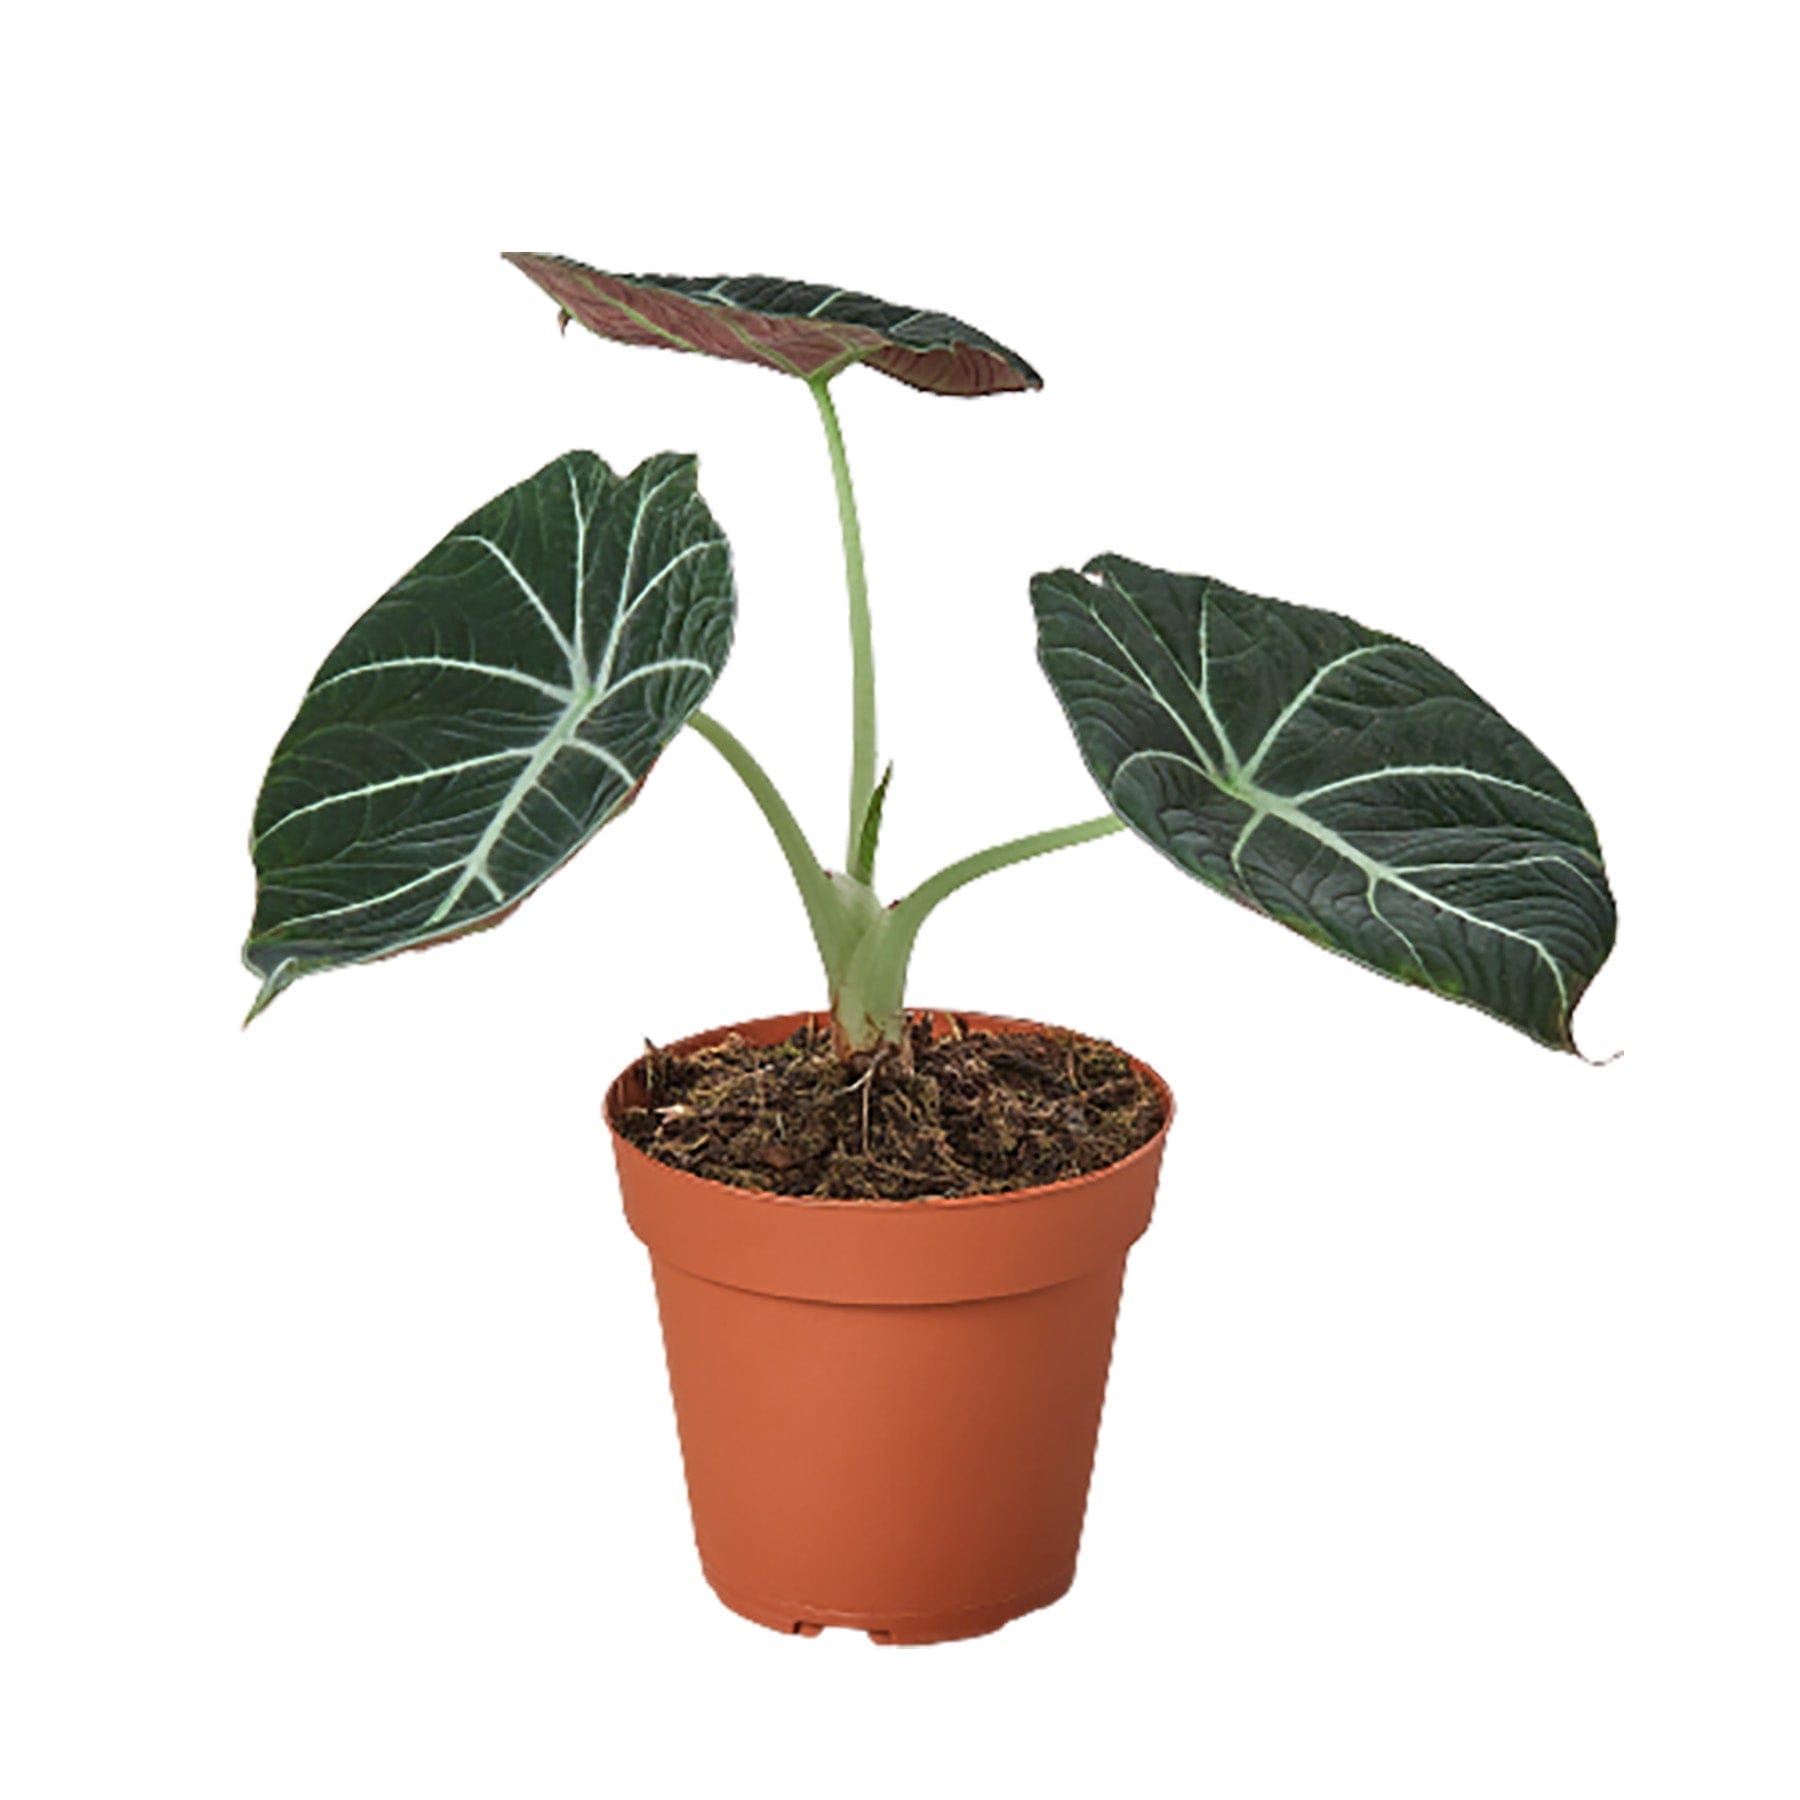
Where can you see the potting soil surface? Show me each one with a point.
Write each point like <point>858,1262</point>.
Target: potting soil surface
<point>970,1112</point>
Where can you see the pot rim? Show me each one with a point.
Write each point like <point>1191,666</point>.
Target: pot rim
<point>1152,1146</point>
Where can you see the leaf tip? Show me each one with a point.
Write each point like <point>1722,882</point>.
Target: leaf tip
<point>276,982</point>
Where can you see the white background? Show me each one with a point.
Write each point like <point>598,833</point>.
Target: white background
<point>1451,1444</point>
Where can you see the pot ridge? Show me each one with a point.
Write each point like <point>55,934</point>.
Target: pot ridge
<point>932,1251</point>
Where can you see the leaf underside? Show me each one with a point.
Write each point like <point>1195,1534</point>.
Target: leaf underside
<point>797,327</point>
<point>488,714</point>
<point>1340,780</point>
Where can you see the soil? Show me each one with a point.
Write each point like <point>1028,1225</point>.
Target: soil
<point>970,1112</point>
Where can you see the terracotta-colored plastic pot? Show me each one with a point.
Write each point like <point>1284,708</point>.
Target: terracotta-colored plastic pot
<point>887,1409</point>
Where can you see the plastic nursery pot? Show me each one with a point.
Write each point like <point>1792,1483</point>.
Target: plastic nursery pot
<point>887,1409</point>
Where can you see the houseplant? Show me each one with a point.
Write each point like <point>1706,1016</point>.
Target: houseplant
<point>888,1406</point>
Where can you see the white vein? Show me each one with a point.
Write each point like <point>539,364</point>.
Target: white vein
<point>764,351</point>
<point>1478,866</point>
<point>605,756</point>
<point>475,865</point>
<point>1453,769</point>
<point>530,593</point>
<point>1156,693</point>
<point>1300,699</point>
<point>500,673</point>
<point>668,568</point>
<point>1373,901</point>
<point>397,781</point>
<point>1237,849</point>
<point>555,800</point>
<point>333,912</point>
<point>623,610</point>
<point>562,736</point>
<point>656,668</point>
<point>1202,693</point>
<point>1173,756</point>
<point>1205,689</point>
<point>578,651</point>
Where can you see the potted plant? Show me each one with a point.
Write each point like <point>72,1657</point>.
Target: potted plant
<point>888,1247</point>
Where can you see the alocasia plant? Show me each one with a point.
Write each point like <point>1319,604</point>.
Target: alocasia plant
<point>508,696</point>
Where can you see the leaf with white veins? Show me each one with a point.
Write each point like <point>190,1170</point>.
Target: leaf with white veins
<point>488,714</point>
<point>1338,779</point>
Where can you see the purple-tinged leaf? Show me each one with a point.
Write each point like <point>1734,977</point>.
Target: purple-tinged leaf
<point>796,327</point>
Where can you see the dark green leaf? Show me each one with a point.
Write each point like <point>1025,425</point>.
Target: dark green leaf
<point>488,714</point>
<point>1340,780</point>
<point>794,326</point>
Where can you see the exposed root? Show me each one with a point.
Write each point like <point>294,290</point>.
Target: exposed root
<point>970,1113</point>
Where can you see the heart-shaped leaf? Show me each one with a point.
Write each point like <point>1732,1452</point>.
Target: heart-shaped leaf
<point>794,326</point>
<point>1338,779</point>
<point>488,714</point>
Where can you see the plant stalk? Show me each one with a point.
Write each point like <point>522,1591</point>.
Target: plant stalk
<point>870,1004</point>
<point>929,894</point>
<point>862,638</point>
<point>835,930</point>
